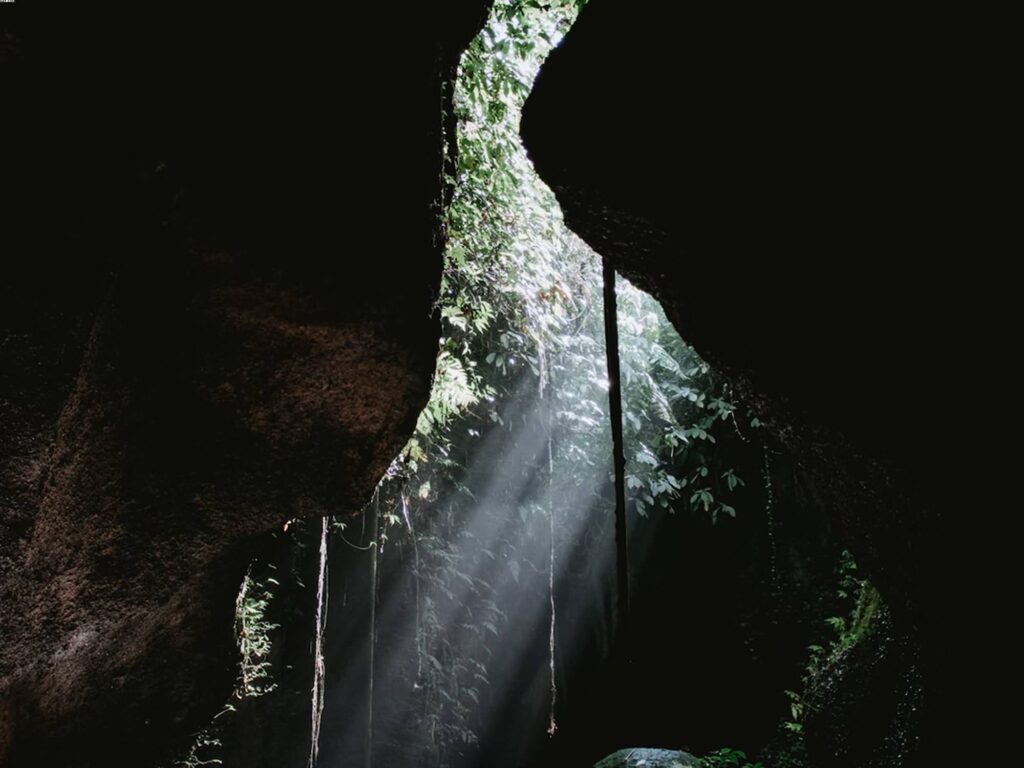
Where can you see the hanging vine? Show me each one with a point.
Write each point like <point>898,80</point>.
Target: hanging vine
<point>319,672</point>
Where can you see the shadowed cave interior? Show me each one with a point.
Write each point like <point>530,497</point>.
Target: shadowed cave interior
<point>308,453</point>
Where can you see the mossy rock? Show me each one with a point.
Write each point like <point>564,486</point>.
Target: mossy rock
<point>649,758</point>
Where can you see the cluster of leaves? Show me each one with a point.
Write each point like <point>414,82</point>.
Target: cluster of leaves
<point>254,634</point>
<point>863,602</point>
<point>849,629</point>
<point>518,285</point>
<point>729,758</point>
<point>205,743</point>
<point>675,410</point>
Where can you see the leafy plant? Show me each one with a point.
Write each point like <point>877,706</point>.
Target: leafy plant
<point>845,631</point>
<point>729,758</point>
<point>254,634</point>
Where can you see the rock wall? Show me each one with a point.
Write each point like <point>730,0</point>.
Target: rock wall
<point>772,176</point>
<point>221,245</point>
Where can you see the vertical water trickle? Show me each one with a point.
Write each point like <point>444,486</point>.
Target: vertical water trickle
<point>318,655</point>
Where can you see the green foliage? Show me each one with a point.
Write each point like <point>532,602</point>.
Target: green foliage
<point>254,631</point>
<point>728,758</point>
<point>503,228</point>
<point>518,287</point>
<point>204,743</point>
<point>862,602</point>
<point>254,636</point>
<point>675,413</point>
<point>846,630</point>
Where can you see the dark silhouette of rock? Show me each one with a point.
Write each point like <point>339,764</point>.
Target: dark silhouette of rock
<point>221,247</point>
<point>794,189</point>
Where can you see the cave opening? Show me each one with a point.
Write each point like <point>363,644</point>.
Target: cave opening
<point>231,246</point>
<point>467,616</point>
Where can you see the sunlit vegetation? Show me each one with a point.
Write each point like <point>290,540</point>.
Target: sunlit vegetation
<point>522,364</point>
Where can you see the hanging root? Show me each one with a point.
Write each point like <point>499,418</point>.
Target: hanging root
<point>552,725</point>
<point>318,663</point>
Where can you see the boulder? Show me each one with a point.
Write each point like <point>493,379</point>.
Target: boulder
<point>640,757</point>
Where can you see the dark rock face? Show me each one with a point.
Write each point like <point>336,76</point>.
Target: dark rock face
<point>776,186</point>
<point>209,323</point>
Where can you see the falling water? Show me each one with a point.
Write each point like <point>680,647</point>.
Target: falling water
<point>318,658</point>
